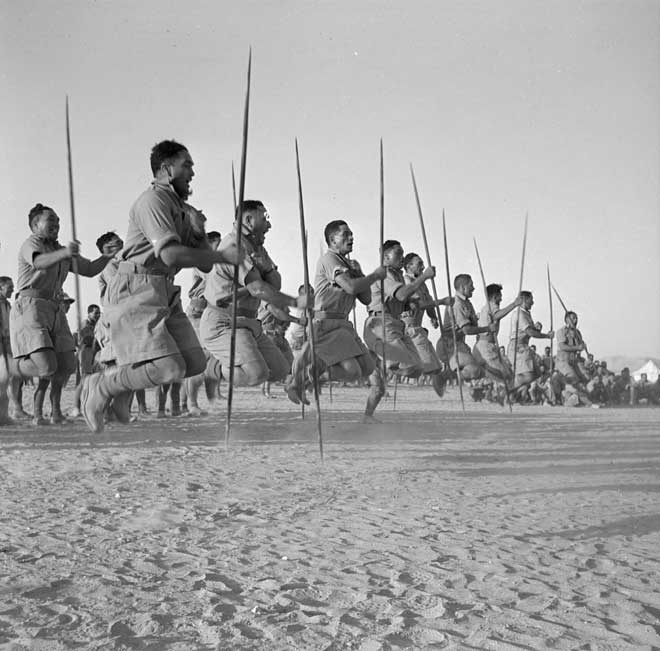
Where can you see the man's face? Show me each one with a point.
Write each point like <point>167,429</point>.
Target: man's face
<point>571,320</point>
<point>258,222</point>
<point>6,290</point>
<point>341,240</point>
<point>497,298</point>
<point>94,315</point>
<point>47,226</point>
<point>547,351</point>
<point>415,267</point>
<point>113,246</point>
<point>467,288</point>
<point>215,243</point>
<point>394,257</point>
<point>180,172</point>
<point>528,302</point>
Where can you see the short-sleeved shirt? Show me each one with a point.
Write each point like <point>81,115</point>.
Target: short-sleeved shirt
<point>220,280</point>
<point>48,281</point>
<point>328,295</point>
<point>104,277</point>
<point>484,320</point>
<point>392,282</point>
<point>570,337</point>
<point>414,315</point>
<point>464,314</point>
<point>5,309</point>
<point>524,320</point>
<point>157,218</point>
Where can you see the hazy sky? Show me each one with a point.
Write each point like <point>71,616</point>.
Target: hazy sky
<point>551,108</point>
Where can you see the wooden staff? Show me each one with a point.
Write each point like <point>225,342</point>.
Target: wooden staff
<point>74,260</point>
<point>451,311</point>
<point>310,310</point>
<point>239,230</point>
<point>552,357</point>
<point>382,259</point>
<point>522,268</point>
<point>233,185</point>
<point>492,318</point>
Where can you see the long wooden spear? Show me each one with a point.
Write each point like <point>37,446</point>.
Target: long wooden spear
<point>233,185</point>
<point>522,269</point>
<point>74,235</point>
<point>451,311</point>
<point>552,357</point>
<point>239,231</point>
<point>310,310</point>
<point>492,318</point>
<point>382,260</point>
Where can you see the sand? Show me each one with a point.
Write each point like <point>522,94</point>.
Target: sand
<point>435,530</point>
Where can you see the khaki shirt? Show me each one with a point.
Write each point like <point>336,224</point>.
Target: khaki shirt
<point>570,337</point>
<point>464,314</point>
<point>50,280</point>
<point>414,315</point>
<point>220,280</point>
<point>393,306</point>
<point>157,218</point>
<point>524,319</point>
<point>485,319</point>
<point>328,295</point>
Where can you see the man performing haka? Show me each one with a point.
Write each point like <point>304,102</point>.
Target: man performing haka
<point>339,350</point>
<point>569,363</point>
<point>257,359</point>
<point>419,303</point>
<point>486,350</point>
<point>401,354</point>
<point>152,337</point>
<point>42,342</point>
<point>526,369</point>
<point>463,319</point>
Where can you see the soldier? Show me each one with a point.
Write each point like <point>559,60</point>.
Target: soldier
<point>418,304</point>
<point>526,369</point>
<point>569,346</point>
<point>464,322</point>
<point>257,359</point>
<point>275,322</point>
<point>41,339</point>
<point>339,350</point>
<point>153,339</point>
<point>212,374</point>
<point>486,349</point>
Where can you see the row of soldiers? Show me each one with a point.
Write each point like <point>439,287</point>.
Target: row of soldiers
<point>147,340</point>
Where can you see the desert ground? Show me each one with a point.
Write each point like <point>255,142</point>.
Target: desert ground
<point>436,529</point>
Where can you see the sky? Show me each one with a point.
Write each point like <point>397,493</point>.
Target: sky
<point>525,107</point>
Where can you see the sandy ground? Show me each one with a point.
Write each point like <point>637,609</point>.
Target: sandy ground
<point>434,530</point>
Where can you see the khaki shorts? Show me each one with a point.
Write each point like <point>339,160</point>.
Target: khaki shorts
<point>399,348</point>
<point>335,341</point>
<point>252,345</point>
<point>38,323</point>
<point>525,359</point>
<point>146,318</point>
<point>445,351</point>
<point>425,349</point>
<point>486,353</point>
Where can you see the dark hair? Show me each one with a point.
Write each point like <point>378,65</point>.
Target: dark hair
<point>460,279</point>
<point>105,238</point>
<point>250,204</point>
<point>4,280</point>
<point>525,294</point>
<point>214,235</point>
<point>331,228</point>
<point>36,212</point>
<point>164,151</point>
<point>408,258</point>
<point>493,289</point>
<point>390,244</point>
<point>92,307</point>
<point>568,313</point>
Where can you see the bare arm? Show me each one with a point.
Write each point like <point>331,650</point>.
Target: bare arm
<point>501,313</point>
<point>47,260</point>
<point>90,268</point>
<point>404,292</point>
<point>266,292</point>
<point>361,285</point>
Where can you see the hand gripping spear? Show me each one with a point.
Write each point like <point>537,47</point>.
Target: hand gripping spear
<point>74,261</point>
<point>522,268</point>
<point>554,289</point>
<point>239,231</point>
<point>382,260</point>
<point>310,310</point>
<point>552,357</point>
<point>492,318</point>
<point>451,311</point>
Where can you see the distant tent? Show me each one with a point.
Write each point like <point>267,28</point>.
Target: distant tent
<point>650,368</point>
